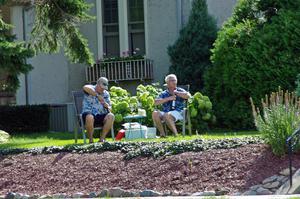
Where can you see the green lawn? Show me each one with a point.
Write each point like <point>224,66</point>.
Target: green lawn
<point>31,140</point>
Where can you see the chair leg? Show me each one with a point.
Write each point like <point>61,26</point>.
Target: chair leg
<point>183,122</point>
<point>189,124</point>
<point>83,135</point>
<point>76,134</point>
<point>112,132</point>
<point>82,129</point>
<point>183,128</point>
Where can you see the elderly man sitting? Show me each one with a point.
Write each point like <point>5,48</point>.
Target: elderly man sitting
<point>172,100</point>
<point>96,108</point>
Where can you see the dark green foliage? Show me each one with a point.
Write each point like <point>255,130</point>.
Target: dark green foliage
<point>298,85</point>
<point>2,2</point>
<point>200,108</point>
<point>257,50</point>
<point>29,118</point>
<point>56,25</point>
<point>190,54</point>
<point>143,149</point>
<point>13,57</point>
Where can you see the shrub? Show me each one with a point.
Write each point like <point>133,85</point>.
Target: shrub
<point>146,96</point>
<point>256,51</point>
<point>29,118</point>
<point>278,120</point>
<point>200,108</point>
<point>123,104</point>
<point>189,55</point>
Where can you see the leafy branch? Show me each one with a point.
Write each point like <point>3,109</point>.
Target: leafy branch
<point>56,25</point>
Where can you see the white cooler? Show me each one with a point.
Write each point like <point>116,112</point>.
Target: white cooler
<point>136,133</point>
<point>151,132</point>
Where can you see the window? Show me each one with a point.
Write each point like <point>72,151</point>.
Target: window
<point>111,46</point>
<point>136,10</point>
<point>136,29</point>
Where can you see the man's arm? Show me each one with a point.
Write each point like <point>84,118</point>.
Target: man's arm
<point>185,95</point>
<point>107,103</point>
<point>164,100</point>
<point>89,89</point>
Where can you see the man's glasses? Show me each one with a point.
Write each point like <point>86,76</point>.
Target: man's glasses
<point>104,84</point>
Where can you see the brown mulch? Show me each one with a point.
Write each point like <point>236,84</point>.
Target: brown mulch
<point>235,169</point>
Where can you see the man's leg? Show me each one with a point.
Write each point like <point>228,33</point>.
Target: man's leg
<point>170,120</point>
<point>89,125</point>
<point>156,116</point>
<point>108,123</point>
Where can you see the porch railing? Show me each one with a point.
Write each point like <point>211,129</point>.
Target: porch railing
<point>141,69</point>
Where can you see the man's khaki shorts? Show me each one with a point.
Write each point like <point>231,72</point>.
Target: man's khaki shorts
<point>176,114</point>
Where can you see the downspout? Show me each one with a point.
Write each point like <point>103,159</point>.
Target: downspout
<point>179,15</point>
<point>26,75</point>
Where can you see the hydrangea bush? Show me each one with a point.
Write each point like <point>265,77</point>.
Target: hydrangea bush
<point>124,104</point>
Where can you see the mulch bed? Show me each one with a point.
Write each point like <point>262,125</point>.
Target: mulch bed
<point>234,169</point>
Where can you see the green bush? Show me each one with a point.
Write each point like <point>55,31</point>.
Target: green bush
<point>123,104</point>
<point>146,96</point>
<point>200,108</point>
<point>256,51</point>
<point>278,120</point>
<point>189,55</point>
<point>29,118</point>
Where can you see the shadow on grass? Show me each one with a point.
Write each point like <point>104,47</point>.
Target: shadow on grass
<point>49,135</point>
<point>18,145</point>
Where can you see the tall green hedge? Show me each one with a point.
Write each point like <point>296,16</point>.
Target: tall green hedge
<point>29,118</point>
<point>189,55</point>
<point>257,50</point>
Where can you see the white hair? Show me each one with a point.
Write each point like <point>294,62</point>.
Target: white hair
<point>102,80</point>
<point>170,76</point>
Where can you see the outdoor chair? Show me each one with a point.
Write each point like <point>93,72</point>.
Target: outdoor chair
<point>186,121</point>
<point>78,98</point>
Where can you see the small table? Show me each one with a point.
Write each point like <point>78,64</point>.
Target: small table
<point>139,118</point>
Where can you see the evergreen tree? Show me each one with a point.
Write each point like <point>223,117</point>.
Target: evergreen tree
<point>190,55</point>
<point>55,26</point>
<point>13,57</point>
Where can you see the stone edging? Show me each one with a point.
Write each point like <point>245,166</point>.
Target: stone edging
<point>270,185</point>
<point>113,193</point>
